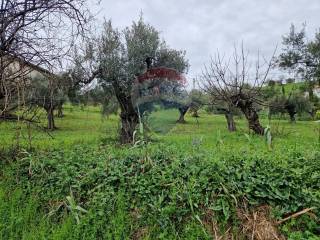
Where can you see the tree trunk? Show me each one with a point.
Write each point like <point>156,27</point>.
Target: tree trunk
<point>50,117</point>
<point>313,113</point>
<point>230,121</point>
<point>129,118</point>
<point>253,120</point>
<point>291,109</point>
<point>269,115</point>
<point>129,121</point>
<point>60,111</point>
<point>182,110</point>
<point>310,89</point>
<point>292,116</point>
<point>246,107</point>
<point>195,114</point>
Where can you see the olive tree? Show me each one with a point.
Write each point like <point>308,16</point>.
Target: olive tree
<point>46,92</point>
<point>122,58</point>
<point>231,82</point>
<point>302,57</point>
<point>197,100</point>
<point>293,104</point>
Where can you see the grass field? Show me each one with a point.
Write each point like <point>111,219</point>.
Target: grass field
<point>87,126</point>
<point>196,181</point>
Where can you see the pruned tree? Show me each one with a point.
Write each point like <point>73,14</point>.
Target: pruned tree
<point>233,82</point>
<point>214,106</point>
<point>197,100</point>
<point>293,104</point>
<point>35,34</point>
<point>46,92</point>
<point>229,112</point>
<point>183,105</point>
<point>277,105</point>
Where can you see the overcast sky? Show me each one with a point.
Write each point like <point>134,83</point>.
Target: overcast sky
<point>202,26</point>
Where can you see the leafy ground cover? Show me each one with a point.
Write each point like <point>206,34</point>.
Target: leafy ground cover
<point>196,182</point>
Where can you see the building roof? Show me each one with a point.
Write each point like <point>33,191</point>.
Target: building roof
<point>33,66</point>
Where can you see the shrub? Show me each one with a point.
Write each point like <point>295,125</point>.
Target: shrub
<point>155,190</point>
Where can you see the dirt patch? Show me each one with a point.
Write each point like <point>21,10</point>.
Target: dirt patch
<point>213,228</point>
<point>256,224</point>
<point>140,233</point>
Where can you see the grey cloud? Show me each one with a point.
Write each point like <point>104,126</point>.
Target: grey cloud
<point>202,26</point>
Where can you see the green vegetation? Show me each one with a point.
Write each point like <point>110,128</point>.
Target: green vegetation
<point>196,181</point>
<point>91,147</point>
<point>80,125</point>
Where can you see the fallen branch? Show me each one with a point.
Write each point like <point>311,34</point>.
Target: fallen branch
<point>297,214</point>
